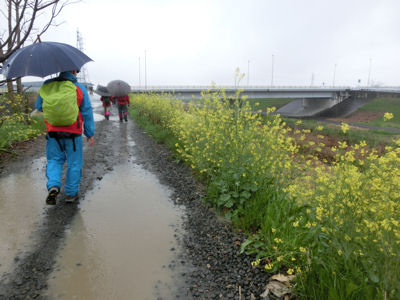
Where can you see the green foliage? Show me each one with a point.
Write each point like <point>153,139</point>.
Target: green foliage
<point>335,226</point>
<point>159,133</point>
<point>353,136</point>
<point>383,105</point>
<point>15,124</point>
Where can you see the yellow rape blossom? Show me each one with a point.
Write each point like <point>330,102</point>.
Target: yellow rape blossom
<point>387,116</point>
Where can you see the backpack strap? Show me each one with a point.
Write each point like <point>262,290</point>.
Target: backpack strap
<point>79,96</point>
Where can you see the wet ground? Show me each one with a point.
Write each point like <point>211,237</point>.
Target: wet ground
<point>140,231</point>
<point>18,215</point>
<point>120,241</point>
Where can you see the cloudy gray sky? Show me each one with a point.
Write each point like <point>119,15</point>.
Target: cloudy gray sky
<point>196,42</point>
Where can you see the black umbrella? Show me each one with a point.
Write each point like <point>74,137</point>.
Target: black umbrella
<point>118,88</point>
<point>102,91</point>
<point>42,59</point>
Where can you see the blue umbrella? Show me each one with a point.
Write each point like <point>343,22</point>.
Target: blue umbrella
<point>42,59</point>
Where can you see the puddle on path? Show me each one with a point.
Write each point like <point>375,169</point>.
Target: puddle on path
<point>21,206</point>
<point>120,242</point>
<point>95,100</point>
<point>98,117</point>
<point>97,108</point>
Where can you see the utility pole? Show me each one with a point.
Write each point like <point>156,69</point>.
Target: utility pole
<point>139,74</point>
<point>82,75</point>
<point>272,71</point>
<point>369,72</point>
<point>334,75</point>
<point>145,71</point>
<point>312,79</point>
<point>248,72</point>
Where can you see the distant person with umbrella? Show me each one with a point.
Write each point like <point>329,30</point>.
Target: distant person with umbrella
<point>66,107</point>
<point>106,99</point>
<point>123,103</point>
<point>119,89</point>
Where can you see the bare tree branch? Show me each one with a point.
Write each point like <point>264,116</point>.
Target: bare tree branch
<point>4,81</point>
<point>11,33</point>
<point>22,24</point>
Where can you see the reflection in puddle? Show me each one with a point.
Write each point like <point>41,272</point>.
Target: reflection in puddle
<point>21,204</point>
<point>114,115</point>
<point>95,101</point>
<point>98,117</point>
<point>119,241</point>
<point>97,108</point>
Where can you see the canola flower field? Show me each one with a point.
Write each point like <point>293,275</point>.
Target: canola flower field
<point>332,225</point>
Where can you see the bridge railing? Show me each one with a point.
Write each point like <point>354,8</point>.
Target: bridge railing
<point>262,88</point>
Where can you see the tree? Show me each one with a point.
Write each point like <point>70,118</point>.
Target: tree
<point>22,16</point>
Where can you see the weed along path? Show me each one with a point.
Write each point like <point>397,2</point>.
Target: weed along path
<point>140,231</point>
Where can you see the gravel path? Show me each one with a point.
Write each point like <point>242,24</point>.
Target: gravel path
<point>208,247</point>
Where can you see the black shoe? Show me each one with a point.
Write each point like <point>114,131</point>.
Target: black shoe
<point>120,120</point>
<point>126,119</point>
<point>71,199</point>
<point>107,117</point>
<point>52,196</point>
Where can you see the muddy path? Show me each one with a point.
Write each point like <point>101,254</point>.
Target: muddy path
<point>205,261</point>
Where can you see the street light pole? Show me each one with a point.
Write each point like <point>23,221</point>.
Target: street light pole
<point>369,71</point>
<point>248,74</point>
<point>139,74</point>
<point>334,75</point>
<point>272,71</point>
<point>145,70</point>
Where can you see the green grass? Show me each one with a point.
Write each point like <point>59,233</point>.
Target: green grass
<point>354,135</point>
<point>160,134</point>
<point>384,104</point>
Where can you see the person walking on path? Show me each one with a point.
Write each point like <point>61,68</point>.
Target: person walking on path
<point>64,137</point>
<point>114,101</point>
<point>106,100</point>
<point>123,102</point>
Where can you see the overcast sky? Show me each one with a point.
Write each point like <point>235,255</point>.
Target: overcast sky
<point>197,42</point>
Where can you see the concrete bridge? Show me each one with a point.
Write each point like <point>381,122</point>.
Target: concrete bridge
<point>254,92</point>
<point>307,101</point>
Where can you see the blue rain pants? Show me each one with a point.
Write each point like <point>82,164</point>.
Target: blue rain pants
<point>56,158</point>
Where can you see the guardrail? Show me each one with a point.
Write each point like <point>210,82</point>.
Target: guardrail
<point>264,88</point>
